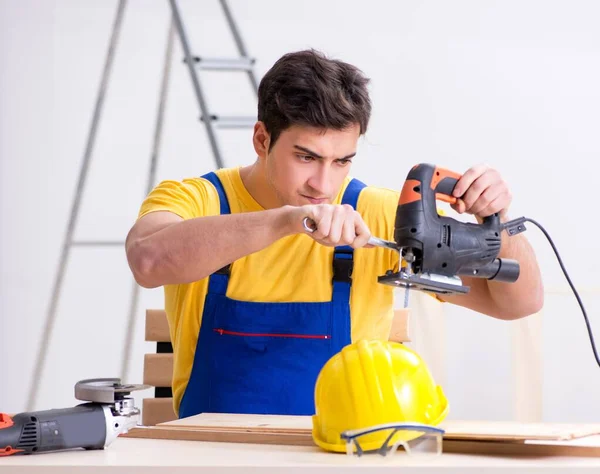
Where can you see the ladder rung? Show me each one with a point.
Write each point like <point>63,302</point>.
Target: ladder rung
<point>97,243</point>
<point>232,122</point>
<point>224,64</point>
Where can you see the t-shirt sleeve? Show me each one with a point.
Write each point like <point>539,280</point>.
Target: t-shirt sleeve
<point>190,198</point>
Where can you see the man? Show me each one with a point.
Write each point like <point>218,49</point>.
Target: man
<point>256,304</point>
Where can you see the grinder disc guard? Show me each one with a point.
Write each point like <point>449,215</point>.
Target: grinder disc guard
<point>105,390</point>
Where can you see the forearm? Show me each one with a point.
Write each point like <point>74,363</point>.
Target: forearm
<point>526,295</point>
<point>190,250</point>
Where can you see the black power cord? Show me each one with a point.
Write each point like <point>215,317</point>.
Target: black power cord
<point>516,226</point>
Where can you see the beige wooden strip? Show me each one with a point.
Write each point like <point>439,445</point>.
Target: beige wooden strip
<point>164,432</point>
<point>517,431</point>
<point>157,410</point>
<point>157,326</point>
<point>400,329</point>
<point>428,332</point>
<point>158,369</point>
<point>229,421</point>
<point>527,368</point>
<point>518,448</point>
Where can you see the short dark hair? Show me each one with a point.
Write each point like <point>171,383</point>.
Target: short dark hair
<point>307,88</point>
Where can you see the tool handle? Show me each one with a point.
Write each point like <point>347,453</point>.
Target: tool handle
<point>311,226</point>
<point>432,183</point>
<point>443,182</point>
<point>425,179</point>
<point>82,426</point>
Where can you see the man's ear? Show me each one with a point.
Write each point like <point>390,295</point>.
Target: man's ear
<point>261,140</point>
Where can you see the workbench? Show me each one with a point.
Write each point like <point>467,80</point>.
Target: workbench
<point>131,455</point>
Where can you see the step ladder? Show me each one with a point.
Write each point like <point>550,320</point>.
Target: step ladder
<point>243,63</point>
<point>212,122</point>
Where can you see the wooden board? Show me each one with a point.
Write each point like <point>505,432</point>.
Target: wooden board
<point>455,429</point>
<point>221,435</point>
<point>233,422</point>
<point>468,437</point>
<point>587,447</point>
<point>577,447</point>
<point>399,331</point>
<point>515,431</point>
<point>158,369</point>
<point>157,326</point>
<point>157,410</point>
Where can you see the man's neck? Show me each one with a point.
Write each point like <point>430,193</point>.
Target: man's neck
<point>255,181</point>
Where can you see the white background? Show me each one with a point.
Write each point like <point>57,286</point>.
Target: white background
<point>510,83</point>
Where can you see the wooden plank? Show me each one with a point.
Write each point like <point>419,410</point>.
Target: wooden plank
<point>158,369</point>
<point>400,329</point>
<point>233,422</point>
<point>455,429</point>
<point>534,448</point>
<point>588,447</point>
<point>157,410</point>
<point>157,326</point>
<point>160,432</point>
<point>517,431</point>
<point>429,333</point>
<point>527,368</point>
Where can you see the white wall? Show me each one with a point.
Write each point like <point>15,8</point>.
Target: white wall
<point>513,84</point>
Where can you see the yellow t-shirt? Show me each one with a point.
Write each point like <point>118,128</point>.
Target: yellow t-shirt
<point>293,269</point>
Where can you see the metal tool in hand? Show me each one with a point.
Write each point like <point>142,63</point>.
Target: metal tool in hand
<point>311,227</point>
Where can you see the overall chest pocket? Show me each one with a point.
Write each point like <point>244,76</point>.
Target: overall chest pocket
<point>265,357</point>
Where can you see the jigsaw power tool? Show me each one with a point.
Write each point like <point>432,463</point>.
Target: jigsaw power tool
<point>94,425</point>
<point>436,250</point>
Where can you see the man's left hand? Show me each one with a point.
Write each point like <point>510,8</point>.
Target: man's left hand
<point>482,191</point>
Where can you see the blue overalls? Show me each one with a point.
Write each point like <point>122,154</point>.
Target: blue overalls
<point>254,357</point>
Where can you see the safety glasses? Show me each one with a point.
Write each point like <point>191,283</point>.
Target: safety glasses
<point>416,439</point>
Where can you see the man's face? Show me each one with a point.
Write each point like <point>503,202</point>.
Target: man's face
<point>308,165</point>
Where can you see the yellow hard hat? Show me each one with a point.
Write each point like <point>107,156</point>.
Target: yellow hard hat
<point>371,383</point>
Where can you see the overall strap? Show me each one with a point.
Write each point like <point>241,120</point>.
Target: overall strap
<point>216,182</point>
<point>218,280</point>
<point>343,256</point>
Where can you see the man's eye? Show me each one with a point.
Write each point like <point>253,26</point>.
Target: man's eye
<point>344,162</point>
<point>306,158</point>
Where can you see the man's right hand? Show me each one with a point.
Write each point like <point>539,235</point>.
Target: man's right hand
<point>336,224</point>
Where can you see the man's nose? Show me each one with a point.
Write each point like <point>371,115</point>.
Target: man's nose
<point>320,181</point>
